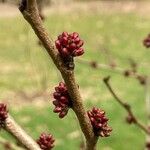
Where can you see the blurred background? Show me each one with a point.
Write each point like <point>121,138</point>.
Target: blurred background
<point>113,32</point>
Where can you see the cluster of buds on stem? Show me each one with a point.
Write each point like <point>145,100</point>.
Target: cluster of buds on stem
<point>3,114</point>
<point>94,64</point>
<point>130,119</point>
<point>62,100</point>
<point>69,44</point>
<point>142,79</point>
<point>46,141</point>
<point>99,122</point>
<point>146,41</point>
<point>127,73</point>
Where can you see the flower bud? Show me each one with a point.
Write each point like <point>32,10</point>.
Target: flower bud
<point>46,141</point>
<point>62,100</point>
<point>99,122</point>
<point>3,113</point>
<point>69,45</point>
<point>146,41</point>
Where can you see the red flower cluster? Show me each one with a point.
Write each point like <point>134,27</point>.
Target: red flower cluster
<point>99,122</point>
<point>46,141</point>
<point>3,113</point>
<point>69,44</point>
<point>146,41</point>
<point>62,100</point>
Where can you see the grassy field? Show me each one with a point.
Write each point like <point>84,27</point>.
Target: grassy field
<point>25,66</point>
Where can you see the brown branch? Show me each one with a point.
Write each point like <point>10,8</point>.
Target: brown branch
<point>31,14</point>
<point>20,135</point>
<point>127,107</point>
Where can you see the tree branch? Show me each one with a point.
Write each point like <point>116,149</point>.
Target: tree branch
<point>126,106</point>
<point>16,131</point>
<point>31,14</point>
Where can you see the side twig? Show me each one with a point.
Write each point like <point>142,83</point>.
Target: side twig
<point>115,69</point>
<point>18,133</point>
<point>127,107</point>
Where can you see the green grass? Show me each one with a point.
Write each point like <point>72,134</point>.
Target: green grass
<point>24,65</point>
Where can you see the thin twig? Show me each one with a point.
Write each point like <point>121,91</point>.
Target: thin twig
<point>126,106</point>
<point>118,70</point>
<point>115,69</point>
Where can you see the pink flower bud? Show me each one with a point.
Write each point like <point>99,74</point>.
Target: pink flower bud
<point>146,41</point>
<point>62,100</point>
<point>46,141</point>
<point>69,45</point>
<point>3,113</point>
<point>75,35</point>
<point>78,52</point>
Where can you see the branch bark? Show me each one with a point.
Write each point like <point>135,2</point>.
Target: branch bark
<point>18,133</point>
<point>127,107</point>
<point>31,15</point>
